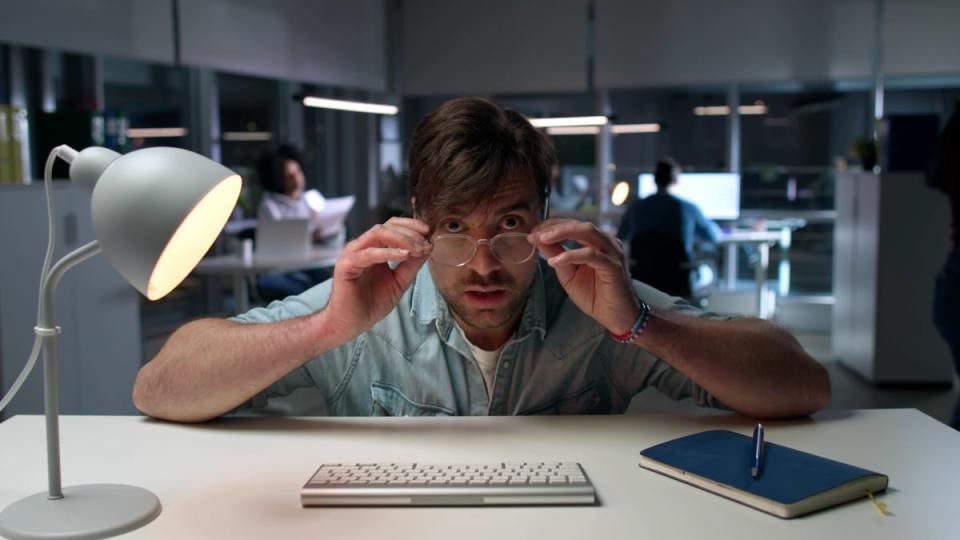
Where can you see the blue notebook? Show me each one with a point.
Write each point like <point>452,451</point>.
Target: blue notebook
<point>793,483</point>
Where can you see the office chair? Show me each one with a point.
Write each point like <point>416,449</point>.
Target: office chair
<point>661,261</point>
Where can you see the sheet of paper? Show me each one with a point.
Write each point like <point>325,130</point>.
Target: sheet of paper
<point>334,213</point>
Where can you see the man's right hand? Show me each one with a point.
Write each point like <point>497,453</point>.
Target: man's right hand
<point>365,288</point>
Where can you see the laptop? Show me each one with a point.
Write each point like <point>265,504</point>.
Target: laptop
<point>282,237</point>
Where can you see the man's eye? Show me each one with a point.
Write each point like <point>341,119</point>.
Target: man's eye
<point>511,222</point>
<point>452,226</point>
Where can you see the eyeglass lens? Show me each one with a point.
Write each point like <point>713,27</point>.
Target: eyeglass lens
<point>459,249</point>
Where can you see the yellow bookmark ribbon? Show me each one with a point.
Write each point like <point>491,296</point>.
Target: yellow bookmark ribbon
<point>881,506</point>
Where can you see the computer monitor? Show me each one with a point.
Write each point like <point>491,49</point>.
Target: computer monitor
<point>716,194</point>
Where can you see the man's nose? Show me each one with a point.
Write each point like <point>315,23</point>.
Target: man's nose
<point>484,262</point>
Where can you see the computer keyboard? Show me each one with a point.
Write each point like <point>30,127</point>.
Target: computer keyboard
<point>445,484</point>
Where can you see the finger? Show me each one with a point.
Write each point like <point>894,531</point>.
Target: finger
<point>353,264</point>
<point>414,236</point>
<point>410,223</point>
<point>544,225</point>
<point>549,250</point>
<point>580,231</point>
<point>382,236</point>
<point>588,256</point>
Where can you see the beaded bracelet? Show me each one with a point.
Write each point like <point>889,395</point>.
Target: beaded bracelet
<point>637,328</point>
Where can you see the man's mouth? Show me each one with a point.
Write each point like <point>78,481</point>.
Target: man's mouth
<point>485,298</point>
<point>484,291</point>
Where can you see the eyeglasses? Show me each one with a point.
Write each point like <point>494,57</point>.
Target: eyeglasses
<point>459,249</point>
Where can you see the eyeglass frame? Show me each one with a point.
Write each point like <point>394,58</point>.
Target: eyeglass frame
<point>489,241</point>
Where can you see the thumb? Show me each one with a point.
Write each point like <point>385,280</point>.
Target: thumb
<point>406,271</point>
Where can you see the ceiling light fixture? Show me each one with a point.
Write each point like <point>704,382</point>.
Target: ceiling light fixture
<point>352,106</point>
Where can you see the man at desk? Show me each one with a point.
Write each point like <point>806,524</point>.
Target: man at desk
<point>670,225</point>
<point>481,311</point>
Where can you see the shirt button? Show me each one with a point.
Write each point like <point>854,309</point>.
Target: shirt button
<point>506,364</point>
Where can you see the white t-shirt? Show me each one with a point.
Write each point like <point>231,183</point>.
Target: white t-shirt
<point>486,360</point>
<point>277,206</point>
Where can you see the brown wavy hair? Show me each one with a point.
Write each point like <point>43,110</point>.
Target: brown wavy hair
<point>467,149</point>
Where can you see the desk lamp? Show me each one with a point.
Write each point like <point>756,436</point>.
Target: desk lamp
<point>155,213</point>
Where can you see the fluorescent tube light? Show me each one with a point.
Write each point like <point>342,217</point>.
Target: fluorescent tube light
<point>153,133</point>
<point>722,110</point>
<point>757,108</point>
<point>635,128</point>
<point>617,129</point>
<point>569,121</point>
<point>353,106</point>
<point>573,130</point>
<point>246,136</point>
<point>712,110</point>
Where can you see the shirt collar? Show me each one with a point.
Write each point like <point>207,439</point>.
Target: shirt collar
<point>428,305</point>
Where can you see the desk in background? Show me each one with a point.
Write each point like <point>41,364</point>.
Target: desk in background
<point>763,240</point>
<point>241,477</point>
<point>238,268</point>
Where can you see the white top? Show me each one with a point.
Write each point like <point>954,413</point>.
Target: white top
<point>240,478</point>
<point>487,360</point>
<point>277,206</point>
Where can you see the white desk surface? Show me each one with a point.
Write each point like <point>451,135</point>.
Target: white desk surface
<point>232,264</point>
<point>240,477</point>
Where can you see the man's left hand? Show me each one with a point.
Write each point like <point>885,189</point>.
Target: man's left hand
<point>594,275</point>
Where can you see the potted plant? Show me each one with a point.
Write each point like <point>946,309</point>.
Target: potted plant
<point>866,149</point>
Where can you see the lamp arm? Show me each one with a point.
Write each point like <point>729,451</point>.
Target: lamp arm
<point>45,318</point>
<point>48,332</point>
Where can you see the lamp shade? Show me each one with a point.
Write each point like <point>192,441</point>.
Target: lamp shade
<point>156,211</point>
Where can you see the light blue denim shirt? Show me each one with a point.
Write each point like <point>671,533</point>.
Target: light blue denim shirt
<point>414,362</point>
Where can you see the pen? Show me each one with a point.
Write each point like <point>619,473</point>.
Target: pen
<point>757,451</point>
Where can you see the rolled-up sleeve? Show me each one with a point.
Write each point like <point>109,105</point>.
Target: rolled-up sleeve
<point>313,375</point>
<point>635,369</point>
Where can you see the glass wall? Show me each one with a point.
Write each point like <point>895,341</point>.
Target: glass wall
<point>151,101</point>
<point>793,139</point>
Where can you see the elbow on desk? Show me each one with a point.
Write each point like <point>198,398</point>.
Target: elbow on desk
<point>823,391</point>
<point>144,397</point>
<point>148,400</point>
<point>812,396</point>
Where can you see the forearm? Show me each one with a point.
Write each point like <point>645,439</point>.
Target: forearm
<point>210,366</point>
<point>751,365</point>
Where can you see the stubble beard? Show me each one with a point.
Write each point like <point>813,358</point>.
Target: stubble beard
<point>486,319</point>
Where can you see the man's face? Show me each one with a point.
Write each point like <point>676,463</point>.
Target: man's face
<point>486,293</point>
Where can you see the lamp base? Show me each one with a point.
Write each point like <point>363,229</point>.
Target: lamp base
<point>87,511</point>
